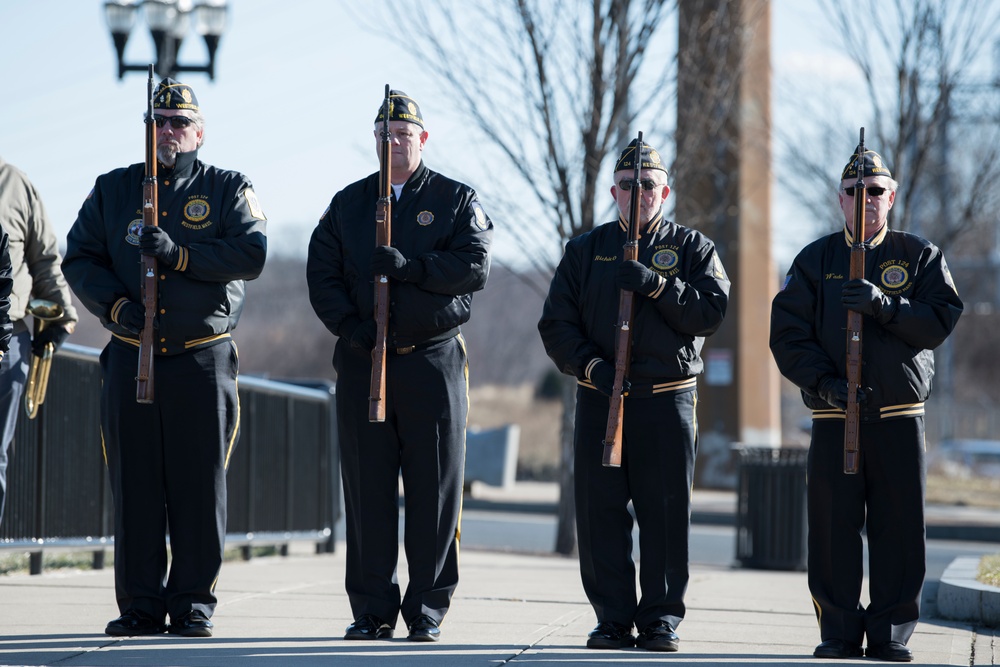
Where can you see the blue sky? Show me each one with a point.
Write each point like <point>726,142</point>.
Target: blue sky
<point>297,87</point>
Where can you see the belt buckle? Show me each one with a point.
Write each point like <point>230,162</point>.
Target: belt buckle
<point>405,350</point>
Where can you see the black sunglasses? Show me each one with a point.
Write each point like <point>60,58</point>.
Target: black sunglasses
<point>873,191</point>
<point>176,122</point>
<point>626,184</point>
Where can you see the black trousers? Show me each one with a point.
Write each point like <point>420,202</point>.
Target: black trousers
<point>167,464</point>
<point>657,472</point>
<point>422,437</point>
<point>886,497</point>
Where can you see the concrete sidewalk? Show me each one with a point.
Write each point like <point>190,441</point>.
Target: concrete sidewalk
<point>510,609</point>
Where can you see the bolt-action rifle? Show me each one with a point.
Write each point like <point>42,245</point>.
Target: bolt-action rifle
<point>854,320</point>
<point>623,338</point>
<point>383,236</point>
<point>150,204</point>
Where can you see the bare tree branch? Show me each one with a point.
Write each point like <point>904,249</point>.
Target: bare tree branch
<point>913,62</point>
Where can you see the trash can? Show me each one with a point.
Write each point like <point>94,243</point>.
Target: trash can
<point>771,508</point>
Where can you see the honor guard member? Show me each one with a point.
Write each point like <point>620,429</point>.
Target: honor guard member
<point>681,293</point>
<point>167,459</point>
<point>36,272</point>
<point>439,256</point>
<point>909,306</point>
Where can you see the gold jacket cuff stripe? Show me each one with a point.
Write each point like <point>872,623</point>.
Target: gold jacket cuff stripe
<point>182,259</point>
<point>590,367</point>
<point>655,294</point>
<point>116,309</point>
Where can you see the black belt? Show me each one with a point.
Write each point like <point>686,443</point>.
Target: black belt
<point>424,345</point>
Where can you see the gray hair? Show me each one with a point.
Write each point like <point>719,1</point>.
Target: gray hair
<point>199,119</point>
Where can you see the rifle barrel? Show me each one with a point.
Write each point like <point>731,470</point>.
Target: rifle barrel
<point>852,415</point>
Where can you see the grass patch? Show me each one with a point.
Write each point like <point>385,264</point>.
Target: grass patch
<point>963,491</point>
<point>13,563</point>
<point>236,553</point>
<point>989,570</point>
<point>19,562</point>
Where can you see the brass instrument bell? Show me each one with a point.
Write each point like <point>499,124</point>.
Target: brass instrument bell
<point>43,312</point>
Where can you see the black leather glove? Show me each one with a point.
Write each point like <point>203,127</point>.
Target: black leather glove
<point>387,261</point>
<point>155,242</point>
<point>635,277</point>
<point>603,377</point>
<point>834,391</point>
<point>54,333</point>
<point>363,336</point>
<point>132,316</point>
<point>864,297</point>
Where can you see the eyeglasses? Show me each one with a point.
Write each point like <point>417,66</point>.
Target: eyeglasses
<point>402,136</point>
<point>647,184</point>
<point>872,191</point>
<point>176,122</point>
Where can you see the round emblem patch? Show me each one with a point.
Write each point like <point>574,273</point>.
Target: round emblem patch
<point>196,210</point>
<point>425,218</point>
<point>134,230</point>
<point>894,276</point>
<point>665,260</point>
<point>481,221</point>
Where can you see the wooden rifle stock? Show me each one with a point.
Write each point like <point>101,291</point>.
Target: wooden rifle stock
<point>623,338</point>
<point>854,322</point>
<point>383,236</point>
<point>150,205</point>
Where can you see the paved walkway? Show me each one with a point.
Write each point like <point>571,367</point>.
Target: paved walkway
<point>510,609</point>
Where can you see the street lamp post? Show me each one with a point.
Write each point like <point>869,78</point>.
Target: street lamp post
<point>169,22</point>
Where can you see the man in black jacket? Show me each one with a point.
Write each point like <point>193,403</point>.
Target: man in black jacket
<point>681,293</point>
<point>167,460</point>
<point>439,256</point>
<point>909,305</point>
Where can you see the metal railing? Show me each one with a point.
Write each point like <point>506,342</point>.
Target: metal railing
<point>283,479</point>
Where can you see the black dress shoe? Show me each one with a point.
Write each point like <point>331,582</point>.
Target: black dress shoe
<point>890,652</point>
<point>368,627</point>
<point>134,623</point>
<point>192,624</point>
<point>658,636</point>
<point>838,649</point>
<point>611,635</point>
<point>424,629</point>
